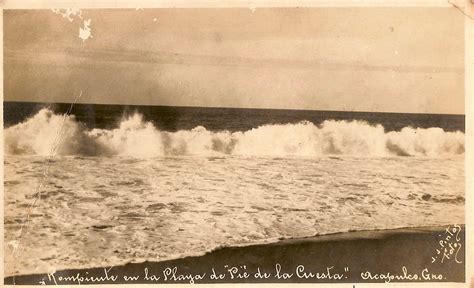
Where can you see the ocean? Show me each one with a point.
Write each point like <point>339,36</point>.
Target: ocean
<point>114,184</point>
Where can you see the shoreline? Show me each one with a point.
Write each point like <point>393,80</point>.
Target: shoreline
<point>370,256</point>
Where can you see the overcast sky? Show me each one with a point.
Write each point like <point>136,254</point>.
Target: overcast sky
<point>357,59</point>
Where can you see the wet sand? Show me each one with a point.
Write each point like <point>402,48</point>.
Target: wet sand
<point>348,256</point>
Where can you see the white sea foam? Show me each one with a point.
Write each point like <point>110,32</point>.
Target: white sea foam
<point>136,137</point>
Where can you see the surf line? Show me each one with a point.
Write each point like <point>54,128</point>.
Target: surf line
<point>37,195</point>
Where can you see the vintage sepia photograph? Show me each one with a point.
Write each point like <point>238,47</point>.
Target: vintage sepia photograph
<point>234,145</point>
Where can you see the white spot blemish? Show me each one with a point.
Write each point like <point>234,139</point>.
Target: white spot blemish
<point>154,19</point>
<point>85,33</point>
<point>69,13</point>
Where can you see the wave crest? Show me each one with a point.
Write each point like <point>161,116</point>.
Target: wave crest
<point>138,138</point>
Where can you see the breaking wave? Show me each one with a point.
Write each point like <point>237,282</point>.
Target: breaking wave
<point>136,137</point>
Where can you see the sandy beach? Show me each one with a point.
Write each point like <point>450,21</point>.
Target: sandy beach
<point>399,255</point>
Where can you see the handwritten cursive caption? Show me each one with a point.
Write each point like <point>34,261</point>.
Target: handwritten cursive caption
<point>236,273</point>
<point>172,274</point>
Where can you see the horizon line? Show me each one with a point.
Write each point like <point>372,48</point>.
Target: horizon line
<point>246,108</point>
